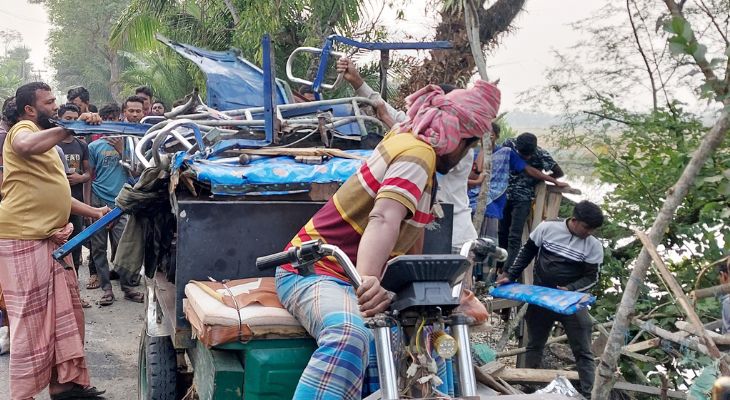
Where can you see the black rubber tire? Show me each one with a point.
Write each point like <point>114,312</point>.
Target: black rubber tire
<point>157,378</point>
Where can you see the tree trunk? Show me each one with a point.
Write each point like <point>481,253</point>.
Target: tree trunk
<point>456,65</point>
<point>234,13</point>
<point>606,370</point>
<point>114,87</point>
<point>471,21</point>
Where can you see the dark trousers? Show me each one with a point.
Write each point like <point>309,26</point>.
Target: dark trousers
<point>577,327</point>
<point>78,223</point>
<point>99,248</point>
<point>511,227</point>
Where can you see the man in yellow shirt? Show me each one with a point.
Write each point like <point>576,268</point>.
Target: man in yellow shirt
<point>44,307</point>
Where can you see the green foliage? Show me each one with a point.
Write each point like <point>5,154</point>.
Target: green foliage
<point>15,70</point>
<point>79,51</point>
<point>642,154</point>
<point>168,75</point>
<point>210,24</point>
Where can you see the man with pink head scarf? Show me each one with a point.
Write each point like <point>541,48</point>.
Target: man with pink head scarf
<point>443,120</point>
<point>377,214</point>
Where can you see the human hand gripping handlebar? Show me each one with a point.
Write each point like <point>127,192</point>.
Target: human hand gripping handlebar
<point>303,257</point>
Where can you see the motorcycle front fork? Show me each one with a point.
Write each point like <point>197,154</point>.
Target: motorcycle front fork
<point>381,326</point>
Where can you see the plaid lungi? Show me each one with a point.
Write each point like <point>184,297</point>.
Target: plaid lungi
<point>327,308</point>
<point>46,318</point>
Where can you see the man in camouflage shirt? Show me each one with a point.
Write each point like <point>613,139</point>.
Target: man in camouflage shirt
<point>521,191</point>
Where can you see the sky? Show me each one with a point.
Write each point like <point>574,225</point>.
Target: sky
<point>523,55</point>
<point>519,62</point>
<point>32,23</point>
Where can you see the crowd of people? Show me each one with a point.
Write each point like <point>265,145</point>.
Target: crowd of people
<point>55,183</point>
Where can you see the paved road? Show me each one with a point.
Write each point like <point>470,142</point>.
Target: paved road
<point>112,337</point>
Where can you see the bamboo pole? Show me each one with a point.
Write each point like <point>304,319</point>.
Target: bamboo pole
<point>684,302</point>
<point>709,292</point>
<point>672,336</point>
<point>716,337</point>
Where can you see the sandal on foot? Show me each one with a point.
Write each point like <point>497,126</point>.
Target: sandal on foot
<point>107,299</point>
<point>137,297</point>
<point>85,304</point>
<point>93,282</point>
<point>79,392</point>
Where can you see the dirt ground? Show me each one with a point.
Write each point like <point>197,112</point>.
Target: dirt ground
<point>112,337</point>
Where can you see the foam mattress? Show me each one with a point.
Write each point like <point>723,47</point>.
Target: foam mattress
<point>238,310</point>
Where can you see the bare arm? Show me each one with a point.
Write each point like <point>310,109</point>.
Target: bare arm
<point>28,143</point>
<point>537,174</point>
<point>380,236</point>
<point>384,115</point>
<point>476,181</point>
<point>87,171</point>
<point>375,247</point>
<point>87,186</point>
<point>477,177</point>
<point>85,210</point>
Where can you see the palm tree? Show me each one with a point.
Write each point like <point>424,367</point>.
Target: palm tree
<point>168,75</point>
<point>222,24</point>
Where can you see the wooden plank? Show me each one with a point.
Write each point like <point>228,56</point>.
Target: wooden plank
<point>556,189</point>
<point>683,301</point>
<point>552,209</point>
<point>512,389</point>
<point>679,338</point>
<point>714,325</point>
<point>709,292</point>
<point>530,375</point>
<point>632,387</point>
<point>526,375</point>
<point>716,337</point>
<point>491,367</point>
<point>498,304</point>
<point>643,346</point>
<point>488,380</point>
<point>639,357</point>
<point>538,210</point>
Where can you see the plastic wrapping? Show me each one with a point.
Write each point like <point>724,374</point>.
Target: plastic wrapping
<point>271,175</point>
<point>560,301</point>
<point>561,385</point>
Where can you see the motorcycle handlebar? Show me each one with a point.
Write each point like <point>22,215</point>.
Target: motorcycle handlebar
<point>277,259</point>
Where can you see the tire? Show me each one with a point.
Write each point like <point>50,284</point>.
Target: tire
<point>157,378</point>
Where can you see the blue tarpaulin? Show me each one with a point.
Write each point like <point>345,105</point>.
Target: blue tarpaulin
<point>231,81</point>
<point>270,175</point>
<point>561,301</point>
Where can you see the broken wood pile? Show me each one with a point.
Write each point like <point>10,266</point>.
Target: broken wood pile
<point>499,377</point>
<point>691,334</point>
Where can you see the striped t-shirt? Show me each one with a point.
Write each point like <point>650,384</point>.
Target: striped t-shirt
<point>401,168</point>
